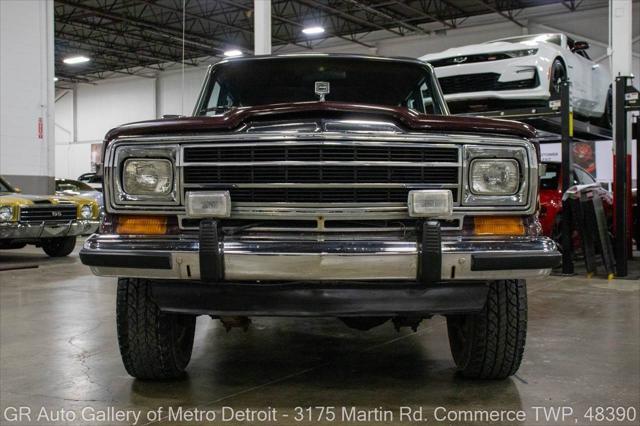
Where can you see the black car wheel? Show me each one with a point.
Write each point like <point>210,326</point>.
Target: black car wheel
<point>153,344</point>
<point>58,247</point>
<point>490,343</point>
<point>558,74</point>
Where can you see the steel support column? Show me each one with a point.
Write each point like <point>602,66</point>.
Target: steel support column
<point>636,126</point>
<point>620,34</point>
<point>262,27</point>
<point>620,178</point>
<point>567,176</point>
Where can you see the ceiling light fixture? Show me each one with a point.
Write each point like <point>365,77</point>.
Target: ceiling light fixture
<point>72,60</point>
<point>313,30</point>
<point>233,52</point>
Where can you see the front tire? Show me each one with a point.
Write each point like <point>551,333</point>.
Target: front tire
<point>490,344</point>
<point>557,76</point>
<point>153,344</point>
<point>58,247</point>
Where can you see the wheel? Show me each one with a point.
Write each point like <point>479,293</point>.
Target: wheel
<point>153,344</point>
<point>11,245</point>
<point>58,247</point>
<point>490,344</point>
<point>558,74</point>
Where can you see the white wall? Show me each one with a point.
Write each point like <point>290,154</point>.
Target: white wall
<point>112,102</point>
<point>26,94</point>
<point>170,95</point>
<point>64,124</point>
<point>100,107</point>
<point>67,164</point>
<point>116,101</point>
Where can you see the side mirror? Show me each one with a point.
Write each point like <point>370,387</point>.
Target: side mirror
<point>17,190</point>
<point>580,45</point>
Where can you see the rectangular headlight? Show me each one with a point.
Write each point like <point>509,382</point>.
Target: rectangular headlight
<point>147,176</point>
<point>430,203</point>
<point>494,176</point>
<point>209,204</point>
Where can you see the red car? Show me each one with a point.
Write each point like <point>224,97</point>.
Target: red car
<point>551,197</point>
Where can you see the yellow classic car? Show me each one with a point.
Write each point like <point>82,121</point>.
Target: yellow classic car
<point>49,221</point>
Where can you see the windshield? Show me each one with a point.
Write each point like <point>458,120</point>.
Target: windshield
<point>4,186</point>
<point>242,83</point>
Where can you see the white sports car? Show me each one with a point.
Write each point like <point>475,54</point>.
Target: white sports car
<point>522,71</point>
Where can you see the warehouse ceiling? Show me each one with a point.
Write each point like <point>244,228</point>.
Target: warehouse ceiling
<point>141,36</point>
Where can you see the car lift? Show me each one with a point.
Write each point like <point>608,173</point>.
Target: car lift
<point>554,122</point>
<point>636,212</point>
<point>627,100</point>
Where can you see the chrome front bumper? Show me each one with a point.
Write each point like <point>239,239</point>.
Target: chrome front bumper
<point>35,231</point>
<point>315,257</point>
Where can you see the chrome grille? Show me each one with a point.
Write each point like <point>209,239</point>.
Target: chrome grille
<point>320,172</point>
<point>319,153</point>
<point>48,213</point>
<point>311,174</point>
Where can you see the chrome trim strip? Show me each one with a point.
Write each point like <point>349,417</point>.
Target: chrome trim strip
<point>232,138</point>
<point>315,139</point>
<point>320,257</point>
<point>43,229</point>
<point>324,185</point>
<point>309,211</point>
<point>278,223</point>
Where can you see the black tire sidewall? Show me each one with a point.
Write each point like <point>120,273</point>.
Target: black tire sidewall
<point>607,118</point>
<point>555,67</point>
<point>58,247</point>
<point>490,344</point>
<point>153,344</point>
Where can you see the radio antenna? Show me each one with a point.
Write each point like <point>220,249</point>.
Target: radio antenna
<point>184,19</point>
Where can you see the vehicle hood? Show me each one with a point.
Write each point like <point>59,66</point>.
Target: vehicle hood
<point>83,194</point>
<point>88,195</point>
<point>236,118</point>
<point>16,199</point>
<point>474,49</point>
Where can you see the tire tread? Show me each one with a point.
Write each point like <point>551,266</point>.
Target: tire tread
<point>147,336</point>
<point>498,333</point>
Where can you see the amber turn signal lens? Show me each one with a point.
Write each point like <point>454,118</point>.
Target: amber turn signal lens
<point>498,225</point>
<point>142,225</point>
